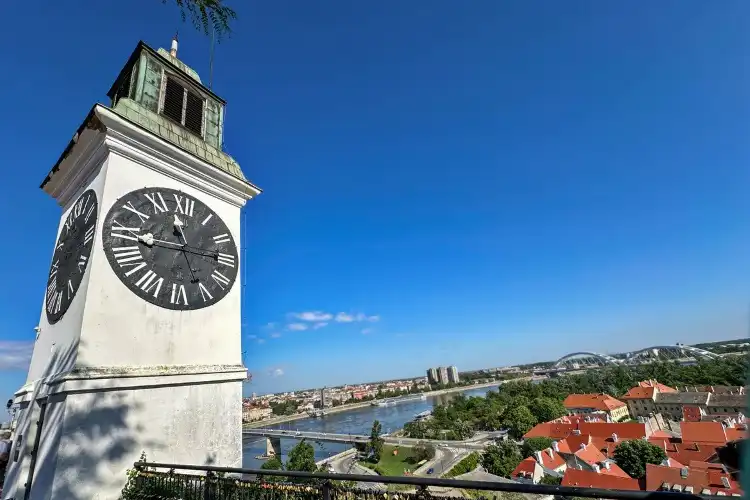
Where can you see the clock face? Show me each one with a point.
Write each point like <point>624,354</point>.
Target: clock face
<point>71,256</point>
<point>170,249</point>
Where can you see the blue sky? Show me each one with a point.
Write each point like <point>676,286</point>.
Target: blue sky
<point>482,183</point>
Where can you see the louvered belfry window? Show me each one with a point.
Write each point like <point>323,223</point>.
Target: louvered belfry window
<point>183,106</point>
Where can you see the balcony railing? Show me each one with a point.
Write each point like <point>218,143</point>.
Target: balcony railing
<point>157,481</point>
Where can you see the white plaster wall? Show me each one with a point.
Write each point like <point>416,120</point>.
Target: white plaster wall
<point>101,435</point>
<point>120,329</point>
<point>56,347</point>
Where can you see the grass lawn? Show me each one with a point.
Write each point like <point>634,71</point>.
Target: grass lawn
<point>390,465</point>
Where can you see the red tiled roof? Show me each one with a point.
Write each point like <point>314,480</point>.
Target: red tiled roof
<point>602,402</point>
<point>657,475</point>
<point>671,462</point>
<point>624,430</point>
<point>589,479</point>
<point>550,459</point>
<point>640,393</point>
<point>551,430</point>
<point>686,452</point>
<point>703,432</point>
<point>705,466</point>
<point>660,434</point>
<point>733,433</point>
<point>526,466</point>
<point>590,455</point>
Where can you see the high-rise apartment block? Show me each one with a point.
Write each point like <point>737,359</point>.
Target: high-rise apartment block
<point>452,374</point>
<point>432,376</point>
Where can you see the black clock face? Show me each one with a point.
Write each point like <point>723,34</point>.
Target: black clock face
<point>170,249</point>
<point>71,257</point>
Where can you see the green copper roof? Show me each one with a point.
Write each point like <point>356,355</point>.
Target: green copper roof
<point>181,65</point>
<point>178,136</point>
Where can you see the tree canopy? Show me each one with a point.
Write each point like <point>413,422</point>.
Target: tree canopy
<point>632,456</point>
<point>207,15</point>
<point>501,459</point>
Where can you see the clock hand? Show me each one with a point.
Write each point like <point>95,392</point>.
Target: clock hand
<point>178,224</point>
<point>149,240</point>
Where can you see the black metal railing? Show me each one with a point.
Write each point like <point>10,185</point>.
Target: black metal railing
<point>159,481</point>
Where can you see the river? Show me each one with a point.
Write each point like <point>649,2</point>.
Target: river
<point>357,421</point>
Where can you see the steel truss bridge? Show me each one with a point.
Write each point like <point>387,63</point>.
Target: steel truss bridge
<point>676,352</point>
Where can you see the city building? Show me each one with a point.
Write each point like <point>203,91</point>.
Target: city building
<point>690,403</point>
<point>605,404</point>
<point>443,375</point>
<point>432,376</point>
<point>253,414</point>
<point>453,375</point>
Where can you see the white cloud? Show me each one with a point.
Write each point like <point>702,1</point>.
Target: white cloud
<point>276,372</point>
<point>270,326</point>
<point>315,316</point>
<point>359,317</point>
<point>261,341</point>
<point>317,326</point>
<point>296,327</point>
<point>275,335</point>
<point>344,318</point>
<point>367,331</point>
<point>15,354</point>
<point>252,337</point>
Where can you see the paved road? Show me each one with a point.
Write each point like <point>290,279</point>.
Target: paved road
<point>349,465</point>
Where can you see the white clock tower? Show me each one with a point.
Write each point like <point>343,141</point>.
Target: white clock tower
<point>138,345</point>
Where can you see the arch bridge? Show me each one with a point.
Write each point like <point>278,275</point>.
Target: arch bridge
<point>585,359</point>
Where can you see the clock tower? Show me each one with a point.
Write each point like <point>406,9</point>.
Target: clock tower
<point>138,344</point>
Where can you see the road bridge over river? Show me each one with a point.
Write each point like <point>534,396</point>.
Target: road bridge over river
<point>274,437</point>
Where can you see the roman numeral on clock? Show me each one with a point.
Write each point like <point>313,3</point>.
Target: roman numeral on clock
<point>205,294</point>
<point>184,208</point>
<point>55,268</point>
<point>129,206</point>
<point>55,304</point>
<point>51,289</point>
<point>82,262</point>
<point>225,259</point>
<point>220,279</point>
<point>71,290</point>
<point>221,238</point>
<point>150,281</point>
<point>157,200</point>
<point>179,295</point>
<point>126,233</point>
<point>129,257</point>
<point>89,235</point>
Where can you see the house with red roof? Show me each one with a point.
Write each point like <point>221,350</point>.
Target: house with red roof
<point>641,399</point>
<point>591,479</point>
<point>528,471</point>
<point>703,432</point>
<point>613,408</point>
<point>710,481</point>
<point>551,461</point>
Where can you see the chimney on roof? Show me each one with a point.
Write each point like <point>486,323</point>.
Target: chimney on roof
<point>538,455</point>
<point>550,452</point>
<point>555,446</point>
<point>725,481</point>
<point>607,464</point>
<point>614,437</point>
<point>596,468</point>
<point>576,432</point>
<point>173,50</point>
<point>684,473</point>
<point>582,446</point>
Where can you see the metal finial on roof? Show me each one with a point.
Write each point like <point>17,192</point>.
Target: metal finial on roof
<point>173,50</point>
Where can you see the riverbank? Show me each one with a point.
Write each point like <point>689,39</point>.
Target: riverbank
<point>337,409</point>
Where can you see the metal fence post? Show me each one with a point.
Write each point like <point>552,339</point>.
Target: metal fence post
<point>327,490</point>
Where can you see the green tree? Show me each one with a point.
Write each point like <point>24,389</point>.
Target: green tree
<point>535,444</point>
<point>550,480</point>
<point>273,463</point>
<point>302,458</point>
<point>207,15</point>
<point>424,451</point>
<point>518,420</point>
<point>376,442</point>
<point>632,456</point>
<point>501,459</point>
<point>546,409</point>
